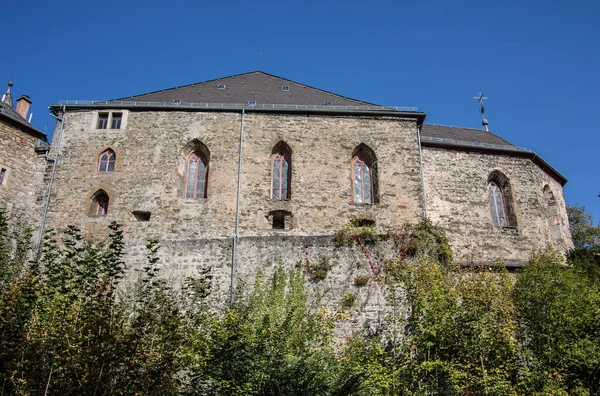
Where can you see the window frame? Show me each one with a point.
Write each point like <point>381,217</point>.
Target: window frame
<point>100,203</point>
<point>277,193</point>
<point>494,191</point>
<point>111,157</point>
<point>363,163</point>
<point>116,117</point>
<point>103,120</point>
<point>192,156</point>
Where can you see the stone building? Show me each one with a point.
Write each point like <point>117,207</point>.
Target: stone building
<point>254,170</point>
<point>23,162</point>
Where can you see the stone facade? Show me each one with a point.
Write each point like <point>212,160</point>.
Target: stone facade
<point>146,190</point>
<point>23,166</point>
<point>457,198</point>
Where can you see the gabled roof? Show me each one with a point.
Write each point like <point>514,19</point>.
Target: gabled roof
<point>256,86</point>
<point>8,114</point>
<point>478,140</point>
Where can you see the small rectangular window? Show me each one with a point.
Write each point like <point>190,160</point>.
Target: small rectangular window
<point>252,103</point>
<point>327,103</point>
<point>102,121</point>
<point>278,223</point>
<point>116,120</point>
<point>285,88</point>
<point>221,86</point>
<point>2,174</point>
<point>177,101</point>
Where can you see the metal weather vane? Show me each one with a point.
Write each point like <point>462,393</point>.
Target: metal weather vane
<point>480,98</point>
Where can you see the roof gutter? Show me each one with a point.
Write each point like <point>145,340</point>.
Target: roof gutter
<point>380,111</point>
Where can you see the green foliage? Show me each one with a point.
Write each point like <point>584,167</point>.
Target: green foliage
<point>586,240</point>
<point>361,280</point>
<point>348,300</point>
<point>585,234</point>
<point>356,232</point>
<point>62,330</point>
<point>449,331</point>
<point>427,240</point>
<point>271,343</point>
<point>559,311</point>
<point>315,272</point>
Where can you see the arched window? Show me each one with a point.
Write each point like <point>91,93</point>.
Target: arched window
<point>497,205</point>
<point>106,162</point>
<point>99,206</point>
<point>281,171</point>
<point>197,170</point>
<point>364,175</point>
<point>501,199</point>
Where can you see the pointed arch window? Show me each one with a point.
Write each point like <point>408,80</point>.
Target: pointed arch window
<point>106,162</point>
<point>497,205</point>
<point>364,175</point>
<point>197,170</point>
<point>281,171</point>
<point>363,180</point>
<point>99,206</point>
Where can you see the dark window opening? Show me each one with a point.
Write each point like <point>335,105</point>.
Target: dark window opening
<point>99,206</point>
<point>278,222</point>
<point>141,215</point>
<point>102,121</point>
<point>116,120</point>
<point>2,174</point>
<point>221,86</point>
<point>363,223</point>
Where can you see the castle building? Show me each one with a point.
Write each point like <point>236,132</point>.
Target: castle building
<point>254,170</point>
<point>23,164</point>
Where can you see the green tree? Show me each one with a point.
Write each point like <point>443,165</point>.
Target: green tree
<point>559,315</point>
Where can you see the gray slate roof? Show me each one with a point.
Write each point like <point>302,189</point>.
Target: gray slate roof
<point>9,114</point>
<point>257,86</point>
<point>463,134</point>
<point>479,140</point>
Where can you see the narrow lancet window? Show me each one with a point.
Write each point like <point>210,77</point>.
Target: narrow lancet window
<point>497,205</point>
<point>280,176</point>
<point>196,176</point>
<point>106,163</point>
<point>363,181</point>
<point>281,171</point>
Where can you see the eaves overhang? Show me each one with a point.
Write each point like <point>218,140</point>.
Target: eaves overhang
<point>369,110</point>
<point>484,148</point>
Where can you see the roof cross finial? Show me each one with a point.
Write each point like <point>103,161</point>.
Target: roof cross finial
<point>480,98</point>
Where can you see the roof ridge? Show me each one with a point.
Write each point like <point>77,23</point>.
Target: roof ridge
<point>242,74</point>
<point>453,126</point>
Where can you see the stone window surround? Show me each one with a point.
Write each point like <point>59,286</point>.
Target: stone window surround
<point>368,156</point>
<point>198,158</point>
<point>124,118</point>
<point>111,156</point>
<point>89,205</point>
<point>284,215</point>
<point>281,151</point>
<point>500,179</point>
<point>118,160</point>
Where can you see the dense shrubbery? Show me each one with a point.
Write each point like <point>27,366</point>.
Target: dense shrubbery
<point>449,331</point>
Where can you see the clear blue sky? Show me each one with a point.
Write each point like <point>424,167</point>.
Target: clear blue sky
<point>538,63</point>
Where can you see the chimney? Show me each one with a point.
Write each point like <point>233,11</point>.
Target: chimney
<point>23,104</point>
